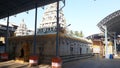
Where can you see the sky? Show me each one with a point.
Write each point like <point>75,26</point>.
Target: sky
<point>83,15</point>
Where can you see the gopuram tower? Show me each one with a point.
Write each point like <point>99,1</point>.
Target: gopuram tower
<point>49,20</point>
<point>22,29</point>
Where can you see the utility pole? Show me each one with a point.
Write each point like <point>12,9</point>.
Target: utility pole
<point>106,43</point>
<point>115,52</point>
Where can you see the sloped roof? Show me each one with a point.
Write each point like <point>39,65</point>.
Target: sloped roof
<point>52,36</point>
<point>10,24</point>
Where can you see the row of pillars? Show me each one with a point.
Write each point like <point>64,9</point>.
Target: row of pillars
<point>6,41</point>
<point>56,61</point>
<point>106,43</point>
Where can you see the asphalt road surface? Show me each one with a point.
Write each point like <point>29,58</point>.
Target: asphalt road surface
<point>94,62</point>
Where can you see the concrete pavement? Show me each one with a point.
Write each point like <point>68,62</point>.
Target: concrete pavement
<point>93,63</point>
<point>13,64</point>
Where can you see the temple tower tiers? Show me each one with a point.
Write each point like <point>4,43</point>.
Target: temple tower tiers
<point>48,24</point>
<point>22,29</point>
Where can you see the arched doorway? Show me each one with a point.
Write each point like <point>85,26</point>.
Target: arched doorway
<point>25,52</point>
<point>22,53</point>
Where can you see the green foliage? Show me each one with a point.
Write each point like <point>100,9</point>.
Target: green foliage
<point>81,34</point>
<point>71,32</point>
<point>76,33</point>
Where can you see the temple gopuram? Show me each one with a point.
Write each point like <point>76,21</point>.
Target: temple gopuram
<point>22,30</point>
<point>21,47</point>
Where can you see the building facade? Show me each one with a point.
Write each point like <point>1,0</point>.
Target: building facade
<point>3,33</point>
<point>98,44</point>
<point>21,47</point>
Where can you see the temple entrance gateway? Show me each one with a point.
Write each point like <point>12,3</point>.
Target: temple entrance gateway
<point>24,53</point>
<point>26,48</point>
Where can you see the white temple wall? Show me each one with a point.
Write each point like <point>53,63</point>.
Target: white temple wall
<point>68,49</point>
<point>65,49</point>
<point>78,49</point>
<point>83,49</point>
<point>89,48</point>
<point>75,49</point>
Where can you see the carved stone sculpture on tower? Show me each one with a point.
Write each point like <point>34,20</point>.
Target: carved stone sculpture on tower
<point>48,24</point>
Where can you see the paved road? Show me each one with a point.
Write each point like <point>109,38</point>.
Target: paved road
<point>93,63</point>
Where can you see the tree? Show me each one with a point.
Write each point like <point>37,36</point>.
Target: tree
<point>76,33</point>
<point>81,34</point>
<point>71,32</point>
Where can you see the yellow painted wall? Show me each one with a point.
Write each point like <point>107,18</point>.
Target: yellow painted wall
<point>2,39</point>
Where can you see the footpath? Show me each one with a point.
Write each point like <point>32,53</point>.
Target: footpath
<point>14,64</point>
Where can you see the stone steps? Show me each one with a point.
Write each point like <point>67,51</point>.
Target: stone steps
<point>74,57</point>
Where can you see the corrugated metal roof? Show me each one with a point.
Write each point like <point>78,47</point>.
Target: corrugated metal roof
<point>112,22</point>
